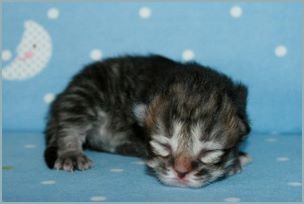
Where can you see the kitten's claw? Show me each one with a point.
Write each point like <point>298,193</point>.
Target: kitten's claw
<point>70,162</point>
<point>83,163</point>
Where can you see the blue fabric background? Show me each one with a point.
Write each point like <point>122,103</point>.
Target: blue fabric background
<point>240,47</point>
<point>243,48</point>
<point>265,179</point>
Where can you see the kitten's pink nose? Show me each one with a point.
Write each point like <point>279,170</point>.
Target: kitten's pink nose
<point>181,175</point>
<point>182,165</point>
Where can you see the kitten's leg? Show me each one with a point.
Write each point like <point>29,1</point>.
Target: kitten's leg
<point>67,129</point>
<point>136,144</point>
<point>132,149</point>
<point>70,152</point>
<point>65,151</point>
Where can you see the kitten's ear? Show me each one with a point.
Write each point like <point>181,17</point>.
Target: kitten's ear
<point>241,93</point>
<point>244,127</point>
<point>241,96</point>
<point>140,113</point>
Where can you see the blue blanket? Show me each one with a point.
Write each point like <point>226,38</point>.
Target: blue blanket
<point>45,44</point>
<point>273,175</point>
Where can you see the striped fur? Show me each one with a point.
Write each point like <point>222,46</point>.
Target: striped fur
<point>178,116</point>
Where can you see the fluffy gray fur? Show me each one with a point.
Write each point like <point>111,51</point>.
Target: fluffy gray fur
<point>186,120</point>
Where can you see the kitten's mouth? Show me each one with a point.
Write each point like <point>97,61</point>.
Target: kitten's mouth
<point>186,182</point>
<point>182,181</point>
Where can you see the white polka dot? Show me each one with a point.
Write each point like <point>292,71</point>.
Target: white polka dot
<point>48,182</point>
<point>280,51</point>
<point>98,198</point>
<point>139,163</point>
<point>6,55</point>
<point>188,55</point>
<point>96,54</point>
<point>30,146</point>
<point>232,199</point>
<point>49,97</point>
<point>271,139</point>
<point>117,170</point>
<point>236,11</point>
<point>53,13</point>
<point>144,12</point>
<point>282,159</point>
<point>294,184</point>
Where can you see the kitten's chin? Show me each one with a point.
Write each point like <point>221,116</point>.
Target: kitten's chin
<point>181,183</point>
<point>170,178</point>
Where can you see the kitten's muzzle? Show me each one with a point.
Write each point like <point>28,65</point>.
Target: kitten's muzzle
<point>182,165</point>
<point>181,175</point>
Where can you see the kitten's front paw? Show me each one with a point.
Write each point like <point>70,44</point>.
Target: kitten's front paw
<point>71,161</point>
<point>235,169</point>
<point>243,160</point>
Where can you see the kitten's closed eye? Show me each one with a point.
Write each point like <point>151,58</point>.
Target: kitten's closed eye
<point>160,149</point>
<point>210,156</point>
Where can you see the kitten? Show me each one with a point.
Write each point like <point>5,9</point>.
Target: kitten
<point>186,120</point>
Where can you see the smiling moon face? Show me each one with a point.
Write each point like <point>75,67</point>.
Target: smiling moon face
<point>33,53</point>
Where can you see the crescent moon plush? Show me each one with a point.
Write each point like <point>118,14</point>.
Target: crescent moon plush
<point>33,53</point>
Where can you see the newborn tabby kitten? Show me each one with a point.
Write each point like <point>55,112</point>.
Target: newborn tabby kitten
<point>186,120</point>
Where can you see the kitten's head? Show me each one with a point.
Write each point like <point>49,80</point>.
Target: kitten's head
<point>194,137</point>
